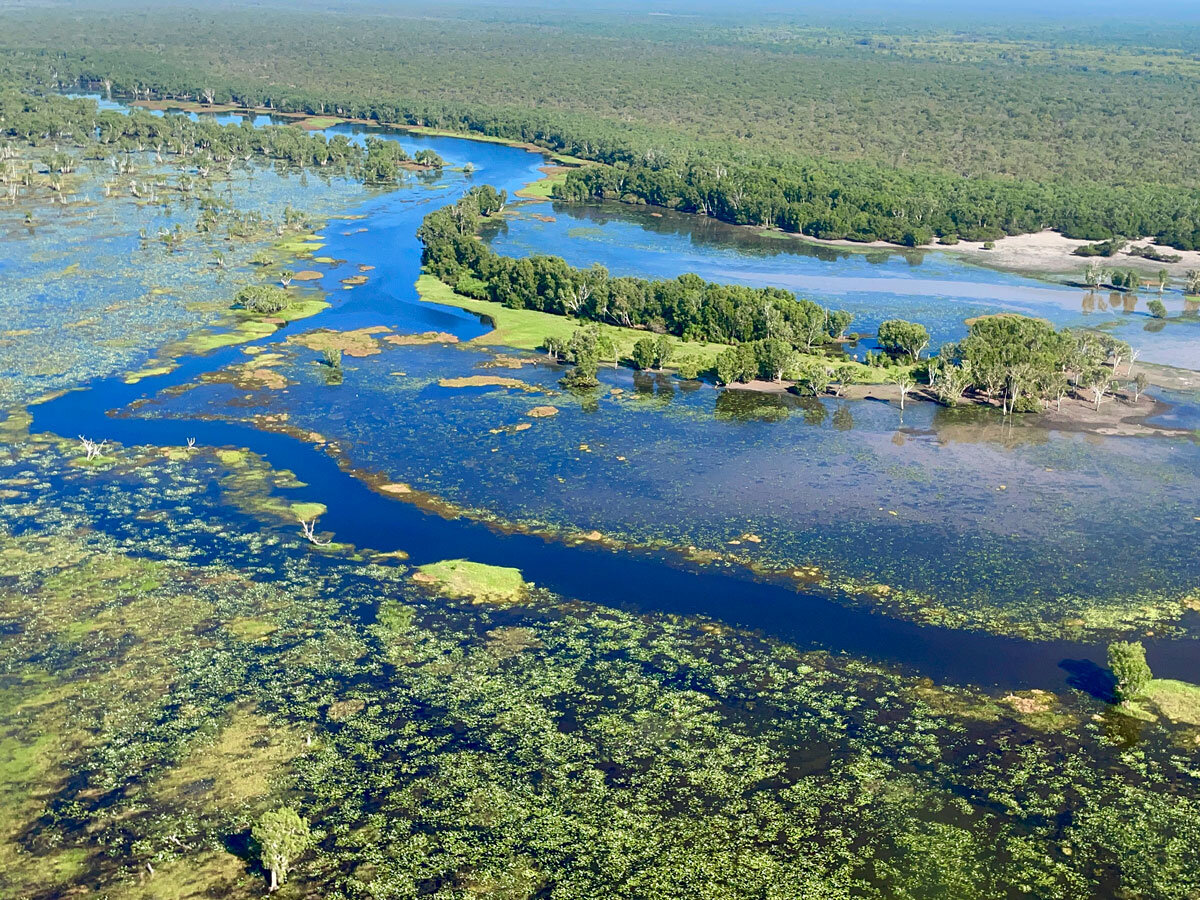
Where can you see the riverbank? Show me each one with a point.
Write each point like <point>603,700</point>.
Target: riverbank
<point>1042,254</point>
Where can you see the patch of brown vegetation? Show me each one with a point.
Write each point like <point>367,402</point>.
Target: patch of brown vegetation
<point>358,343</point>
<point>507,362</point>
<point>489,381</point>
<point>1030,702</point>
<point>307,275</point>
<point>251,379</point>
<point>511,429</point>
<point>355,280</point>
<point>542,412</point>
<point>427,337</point>
<point>340,710</point>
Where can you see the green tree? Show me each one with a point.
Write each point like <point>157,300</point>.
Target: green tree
<point>664,347</point>
<point>1127,661</point>
<point>1157,308</point>
<point>899,336</point>
<point>282,835</point>
<point>645,353</point>
<point>773,357</point>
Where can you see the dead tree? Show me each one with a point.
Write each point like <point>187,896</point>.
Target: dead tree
<point>309,528</point>
<point>91,448</point>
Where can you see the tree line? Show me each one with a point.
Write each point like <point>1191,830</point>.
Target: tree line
<point>971,148</point>
<point>860,202</point>
<point>688,306</point>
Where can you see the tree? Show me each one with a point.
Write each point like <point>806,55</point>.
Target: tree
<point>555,347</point>
<point>1192,282</point>
<point>1127,661</point>
<point>899,336</point>
<point>1157,308</point>
<point>773,356</point>
<point>282,835</point>
<point>736,364</point>
<point>1139,384</point>
<point>645,353</point>
<point>813,379</point>
<point>903,379</point>
<point>663,348</point>
<point>843,377</point>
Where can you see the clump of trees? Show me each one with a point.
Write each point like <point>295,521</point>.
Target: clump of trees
<point>1024,363</point>
<point>899,336</point>
<point>688,306</point>
<point>262,299</point>
<point>585,349</point>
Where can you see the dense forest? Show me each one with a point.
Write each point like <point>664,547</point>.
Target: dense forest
<point>834,131</point>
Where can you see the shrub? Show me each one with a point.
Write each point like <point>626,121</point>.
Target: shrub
<point>262,298</point>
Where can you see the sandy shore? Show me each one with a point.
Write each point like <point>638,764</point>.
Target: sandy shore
<point>1043,253</point>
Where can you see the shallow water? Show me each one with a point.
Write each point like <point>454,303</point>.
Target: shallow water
<point>819,481</point>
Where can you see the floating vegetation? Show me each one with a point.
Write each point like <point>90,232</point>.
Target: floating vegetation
<point>428,337</point>
<point>358,343</point>
<point>491,381</point>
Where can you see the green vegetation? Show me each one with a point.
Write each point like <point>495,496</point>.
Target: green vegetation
<point>708,115</point>
<point>545,744</point>
<point>1179,701</point>
<point>528,329</point>
<point>263,299</point>
<point>898,336</point>
<point>1024,363</point>
<point>687,306</point>
<point>1127,661</point>
<point>463,578</point>
<point>282,835</point>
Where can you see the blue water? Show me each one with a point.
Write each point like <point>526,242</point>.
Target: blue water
<point>650,581</point>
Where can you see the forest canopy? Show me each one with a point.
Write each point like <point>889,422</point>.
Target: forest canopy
<point>836,131</point>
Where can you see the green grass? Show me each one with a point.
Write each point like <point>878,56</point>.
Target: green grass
<point>525,329</point>
<point>319,123</point>
<point>463,578</point>
<point>1177,700</point>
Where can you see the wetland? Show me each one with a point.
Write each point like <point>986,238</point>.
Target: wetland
<point>496,637</point>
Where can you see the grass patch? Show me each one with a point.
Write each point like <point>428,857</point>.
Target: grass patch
<point>463,578</point>
<point>237,767</point>
<point>1177,700</point>
<point>526,329</point>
